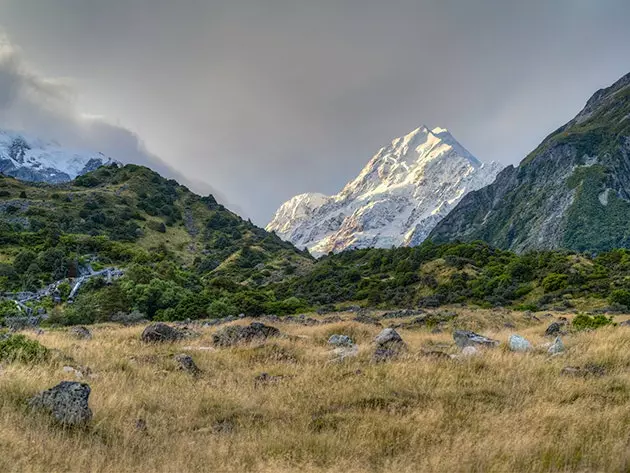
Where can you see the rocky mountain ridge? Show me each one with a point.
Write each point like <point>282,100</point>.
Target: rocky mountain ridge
<point>572,192</point>
<point>398,197</point>
<point>37,160</point>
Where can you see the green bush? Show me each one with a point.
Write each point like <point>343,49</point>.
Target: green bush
<point>554,282</point>
<point>590,322</point>
<point>22,349</point>
<point>620,296</point>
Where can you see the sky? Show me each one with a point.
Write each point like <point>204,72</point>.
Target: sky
<point>259,100</point>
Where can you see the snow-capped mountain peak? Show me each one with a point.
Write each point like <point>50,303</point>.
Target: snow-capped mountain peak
<point>396,199</point>
<point>35,159</point>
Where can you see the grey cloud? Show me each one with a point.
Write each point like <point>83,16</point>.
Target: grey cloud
<point>46,107</point>
<point>264,99</point>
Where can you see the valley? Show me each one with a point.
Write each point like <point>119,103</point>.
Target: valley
<point>283,403</point>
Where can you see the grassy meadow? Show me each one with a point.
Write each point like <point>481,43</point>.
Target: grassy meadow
<point>497,411</point>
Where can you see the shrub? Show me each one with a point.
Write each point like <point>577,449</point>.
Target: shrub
<point>22,349</point>
<point>620,296</point>
<point>554,282</point>
<point>588,322</point>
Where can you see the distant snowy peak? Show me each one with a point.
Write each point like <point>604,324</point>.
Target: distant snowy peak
<point>34,159</point>
<point>397,199</point>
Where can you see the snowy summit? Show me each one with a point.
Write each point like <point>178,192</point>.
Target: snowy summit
<point>32,159</point>
<point>396,200</point>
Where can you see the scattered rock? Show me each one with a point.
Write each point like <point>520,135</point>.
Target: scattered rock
<point>389,345</point>
<point>365,319</point>
<point>141,425</point>
<point>555,328</point>
<point>67,402</point>
<point>396,314</point>
<point>236,334</point>
<point>186,363</point>
<point>556,347</point>
<point>518,343</point>
<point>159,332</point>
<point>625,323</point>
<point>340,340</point>
<point>80,332</point>
<point>465,338</point>
<point>342,353</point>
<point>332,319</point>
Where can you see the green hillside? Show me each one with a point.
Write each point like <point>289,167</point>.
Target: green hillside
<point>164,236</point>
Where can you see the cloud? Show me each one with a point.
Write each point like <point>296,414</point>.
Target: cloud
<point>46,107</point>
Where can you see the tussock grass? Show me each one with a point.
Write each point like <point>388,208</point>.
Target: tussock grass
<point>499,411</point>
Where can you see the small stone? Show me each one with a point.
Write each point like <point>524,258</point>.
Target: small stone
<point>340,340</point>
<point>80,332</point>
<point>518,343</point>
<point>186,363</point>
<point>555,328</point>
<point>141,425</point>
<point>556,347</point>
<point>67,403</point>
<point>465,338</point>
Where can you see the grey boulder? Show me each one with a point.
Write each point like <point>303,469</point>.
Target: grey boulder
<point>237,334</point>
<point>556,347</point>
<point>389,345</point>
<point>67,403</point>
<point>518,343</point>
<point>159,332</point>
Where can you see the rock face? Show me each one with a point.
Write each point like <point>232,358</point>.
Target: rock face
<point>396,200</point>
<point>573,191</point>
<point>156,333</point>
<point>237,334</point>
<point>67,402</point>
<point>465,338</point>
<point>389,345</point>
<point>32,159</point>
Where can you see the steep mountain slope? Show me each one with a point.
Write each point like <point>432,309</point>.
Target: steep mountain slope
<point>126,215</point>
<point>572,192</point>
<point>37,160</point>
<point>405,189</point>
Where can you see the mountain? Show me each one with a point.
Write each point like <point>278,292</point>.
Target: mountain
<point>572,192</point>
<point>400,195</point>
<point>130,214</point>
<point>33,159</point>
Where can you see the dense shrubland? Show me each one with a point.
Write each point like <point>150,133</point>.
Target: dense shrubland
<point>187,257</point>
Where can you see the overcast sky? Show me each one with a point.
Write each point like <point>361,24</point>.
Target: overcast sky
<point>260,100</point>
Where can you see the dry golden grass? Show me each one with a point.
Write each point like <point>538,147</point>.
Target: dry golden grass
<point>496,412</point>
